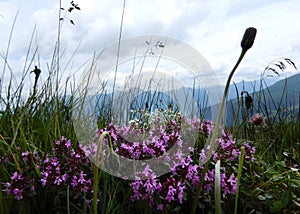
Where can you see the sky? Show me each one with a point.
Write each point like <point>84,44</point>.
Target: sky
<point>214,28</point>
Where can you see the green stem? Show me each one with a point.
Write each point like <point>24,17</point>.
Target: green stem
<point>239,178</point>
<point>215,132</point>
<point>57,124</point>
<point>217,188</point>
<point>68,199</point>
<point>96,170</point>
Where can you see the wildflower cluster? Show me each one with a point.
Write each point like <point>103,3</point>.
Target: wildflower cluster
<point>228,149</point>
<point>69,167</point>
<point>185,175</point>
<point>141,141</point>
<point>66,166</point>
<point>18,185</point>
<point>22,181</point>
<point>257,120</point>
<point>185,170</point>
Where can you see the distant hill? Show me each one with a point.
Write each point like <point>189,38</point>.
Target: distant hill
<point>284,96</point>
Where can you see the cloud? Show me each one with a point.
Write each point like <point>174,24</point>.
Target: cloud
<point>213,28</point>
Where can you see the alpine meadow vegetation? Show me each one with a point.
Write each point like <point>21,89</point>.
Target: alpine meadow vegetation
<point>249,166</point>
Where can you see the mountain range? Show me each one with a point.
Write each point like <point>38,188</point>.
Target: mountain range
<point>281,98</point>
<point>268,97</point>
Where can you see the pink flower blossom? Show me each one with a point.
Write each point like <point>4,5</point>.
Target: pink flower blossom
<point>257,120</point>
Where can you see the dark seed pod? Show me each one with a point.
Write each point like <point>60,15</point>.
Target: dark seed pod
<point>248,38</point>
<point>37,73</point>
<point>248,101</point>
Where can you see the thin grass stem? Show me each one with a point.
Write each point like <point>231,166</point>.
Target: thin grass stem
<point>240,168</point>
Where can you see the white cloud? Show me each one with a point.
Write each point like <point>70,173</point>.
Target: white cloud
<point>214,28</point>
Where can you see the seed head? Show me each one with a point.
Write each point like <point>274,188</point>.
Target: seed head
<point>36,71</point>
<point>248,38</point>
<point>248,101</point>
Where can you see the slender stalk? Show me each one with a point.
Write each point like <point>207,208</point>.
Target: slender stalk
<point>57,128</point>
<point>3,142</point>
<point>68,199</point>
<point>96,170</point>
<point>218,188</point>
<point>215,132</point>
<point>241,160</point>
<point>7,51</point>
<point>246,44</point>
<point>119,46</point>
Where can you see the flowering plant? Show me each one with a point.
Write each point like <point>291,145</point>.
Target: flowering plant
<point>185,165</point>
<point>64,171</point>
<point>257,120</point>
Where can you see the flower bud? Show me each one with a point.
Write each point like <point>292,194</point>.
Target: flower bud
<point>36,71</point>
<point>248,38</point>
<point>248,101</point>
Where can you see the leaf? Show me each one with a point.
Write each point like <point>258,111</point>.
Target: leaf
<point>276,207</point>
<point>61,19</point>
<point>258,190</point>
<point>62,8</point>
<point>185,197</point>
<point>297,203</point>
<point>296,182</point>
<point>261,197</point>
<point>72,22</point>
<point>277,177</point>
<point>176,209</point>
<point>268,196</point>
<point>285,198</point>
<point>76,7</point>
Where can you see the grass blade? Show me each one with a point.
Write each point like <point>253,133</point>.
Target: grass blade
<point>217,188</point>
<point>241,160</point>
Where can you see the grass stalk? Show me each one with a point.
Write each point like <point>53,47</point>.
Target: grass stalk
<point>240,168</point>
<point>218,188</point>
<point>68,199</point>
<point>215,132</point>
<point>96,170</point>
<point>7,51</point>
<point>119,46</point>
<point>57,128</point>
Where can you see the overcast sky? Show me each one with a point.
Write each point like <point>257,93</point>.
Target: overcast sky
<point>213,27</point>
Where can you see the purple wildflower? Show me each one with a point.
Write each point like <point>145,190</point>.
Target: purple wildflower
<point>171,193</point>
<point>257,120</point>
<point>81,179</point>
<point>160,207</point>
